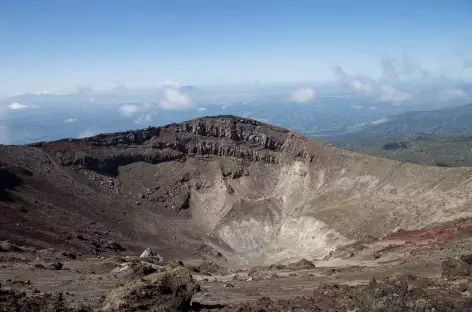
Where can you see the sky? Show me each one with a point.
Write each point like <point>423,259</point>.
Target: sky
<point>51,45</point>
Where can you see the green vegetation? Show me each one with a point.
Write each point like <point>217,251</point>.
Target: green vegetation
<point>431,150</point>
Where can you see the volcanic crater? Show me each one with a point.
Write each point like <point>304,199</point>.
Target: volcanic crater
<point>229,187</point>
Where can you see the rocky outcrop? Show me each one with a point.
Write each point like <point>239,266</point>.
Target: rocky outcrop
<point>453,268</point>
<point>151,254</point>
<point>236,129</point>
<point>166,291</point>
<point>230,136</point>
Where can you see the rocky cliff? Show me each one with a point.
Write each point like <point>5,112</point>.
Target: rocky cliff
<point>222,136</point>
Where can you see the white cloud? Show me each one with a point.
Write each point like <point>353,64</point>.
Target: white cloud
<point>70,120</point>
<point>202,109</point>
<point>129,109</point>
<point>142,111</point>
<point>396,74</point>
<point>91,99</point>
<point>390,94</point>
<point>451,94</point>
<point>143,118</point>
<point>358,86</point>
<point>354,83</point>
<point>395,69</point>
<point>371,87</point>
<point>303,95</point>
<point>30,93</point>
<point>42,92</point>
<point>17,106</point>
<point>175,100</point>
<point>169,84</point>
<point>372,108</point>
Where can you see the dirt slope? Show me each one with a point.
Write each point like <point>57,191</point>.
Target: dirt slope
<point>254,192</point>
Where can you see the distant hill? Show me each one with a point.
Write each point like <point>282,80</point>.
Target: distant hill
<point>455,120</point>
<point>437,138</point>
<point>427,149</point>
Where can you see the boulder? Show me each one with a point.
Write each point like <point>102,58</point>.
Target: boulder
<point>151,254</point>
<point>100,245</point>
<point>56,265</point>
<point>453,267</point>
<point>122,267</point>
<point>112,245</point>
<point>302,264</point>
<point>166,291</point>
<point>139,268</point>
<point>205,267</point>
<point>55,254</point>
<point>467,258</point>
<point>9,246</point>
<point>146,268</point>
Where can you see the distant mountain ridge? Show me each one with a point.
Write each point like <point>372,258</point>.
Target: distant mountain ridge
<point>455,120</point>
<point>439,137</point>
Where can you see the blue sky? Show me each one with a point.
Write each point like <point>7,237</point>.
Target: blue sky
<point>61,44</point>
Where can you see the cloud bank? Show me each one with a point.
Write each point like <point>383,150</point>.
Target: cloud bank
<point>355,83</point>
<point>396,74</point>
<point>18,106</point>
<point>390,94</point>
<point>130,109</point>
<point>142,111</point>
<point>171,99</point>
<point>303,95</point>
<point>175,100</point>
